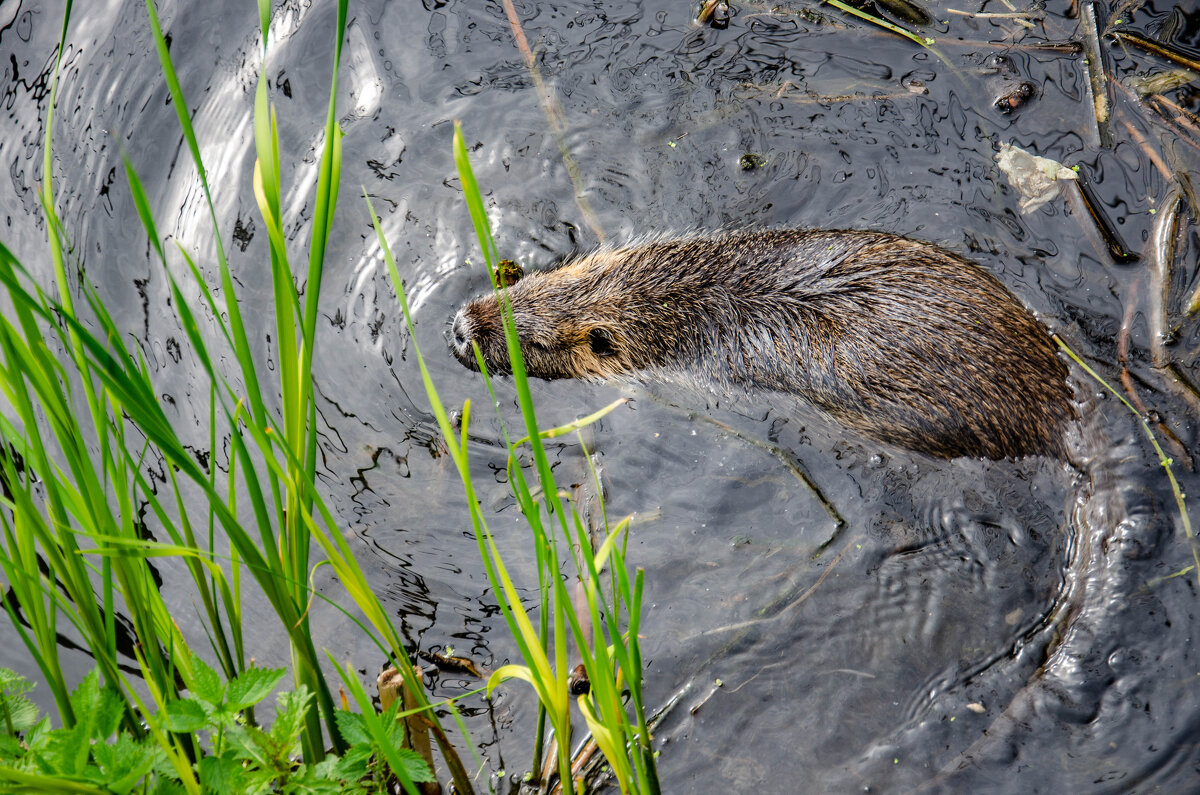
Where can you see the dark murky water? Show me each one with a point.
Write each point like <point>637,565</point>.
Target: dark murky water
<point>976,626</point>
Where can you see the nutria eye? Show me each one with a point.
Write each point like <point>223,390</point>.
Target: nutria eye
<point>602,344</point>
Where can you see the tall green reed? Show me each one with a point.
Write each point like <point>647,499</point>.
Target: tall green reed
<point>75,477</point>
<point>612,657</point>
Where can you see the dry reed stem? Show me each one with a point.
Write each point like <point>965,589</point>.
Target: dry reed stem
<point>553,114</point>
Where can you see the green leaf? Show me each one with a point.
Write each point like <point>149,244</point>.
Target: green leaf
<point>353,766</point>
<point>318,780</point>
<point>353,727</point>
<point>37,737</point>
<point>124,762</point>
<point>290,717</point>
<point>252,743</point>
<point>97,713</point>
<point>222,774</point>
<point>11,748</point>
<point>16,711</point>
<point>414,765</point>
<point>251,687</point>
<point>186,715</point>
<point>166,786</point>
<point>206,683</point>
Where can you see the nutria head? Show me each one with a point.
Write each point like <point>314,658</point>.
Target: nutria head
<point>900,340</point>
<point>582,343</point>
<point>588,319</point>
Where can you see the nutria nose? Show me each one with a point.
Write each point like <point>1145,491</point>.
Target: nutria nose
<point>460,337</point>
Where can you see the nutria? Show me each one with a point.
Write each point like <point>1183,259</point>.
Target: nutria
<point>900,340</point>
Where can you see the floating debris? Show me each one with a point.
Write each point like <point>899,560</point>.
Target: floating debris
<point>577,682</point>
<point>1159,82</point>
<point>1161,49</point>
<point>1035,178</point>
<point>1112,239</point>
<point>751,161</point>
<point>714,13</point>
<point>1016,98</point>
<point>451,663</point>
<point>508,273</point>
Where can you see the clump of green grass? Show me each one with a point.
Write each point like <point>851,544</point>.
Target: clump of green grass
<point>81,426</point>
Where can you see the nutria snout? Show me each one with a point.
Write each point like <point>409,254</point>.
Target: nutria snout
<point>900,340</point>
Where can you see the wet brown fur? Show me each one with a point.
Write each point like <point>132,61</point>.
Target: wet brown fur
<point>900,340</point>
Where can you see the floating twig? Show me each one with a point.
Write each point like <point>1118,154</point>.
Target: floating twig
<point>925,41</point>
<point>1180,117</point>
<point>1151,154</point>
<point>1149,415</point>
<point>1097,82</point>
<point>1022,18</point>
<point>1161,49</point>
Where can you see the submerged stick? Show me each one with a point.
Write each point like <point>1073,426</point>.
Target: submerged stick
<point>1127,383</point>
<point>792,464</point>
<point>1108,233</point>
<point>1161,249</point>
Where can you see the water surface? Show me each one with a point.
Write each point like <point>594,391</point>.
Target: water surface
<point>974,626</point>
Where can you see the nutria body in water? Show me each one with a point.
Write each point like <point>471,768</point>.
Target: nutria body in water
<point>900,340</point>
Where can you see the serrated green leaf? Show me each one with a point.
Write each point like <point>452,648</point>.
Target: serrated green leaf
<point>37,737</point>
<point>317,780</point>
<point>110,706</point>
<point>221,774</point>
<point>414,765</point>
<point>354,764</point>
<point>97,714</point>
<point>167,786</point>
<point>206,683</point>
<point>186,715</point>
<point>249,742</point>
<point>290,717</point>
<point>251,687</point>
<point>124,762</point>
<point>11,748</point>
<point>12,683</point>
<point>85,698</point>
<point>353,728</point>
<point>17,711</point>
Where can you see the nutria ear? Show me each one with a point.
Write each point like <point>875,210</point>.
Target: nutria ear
<point>602,343</point>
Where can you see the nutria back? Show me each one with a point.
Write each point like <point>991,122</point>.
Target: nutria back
<point>900,340</point>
